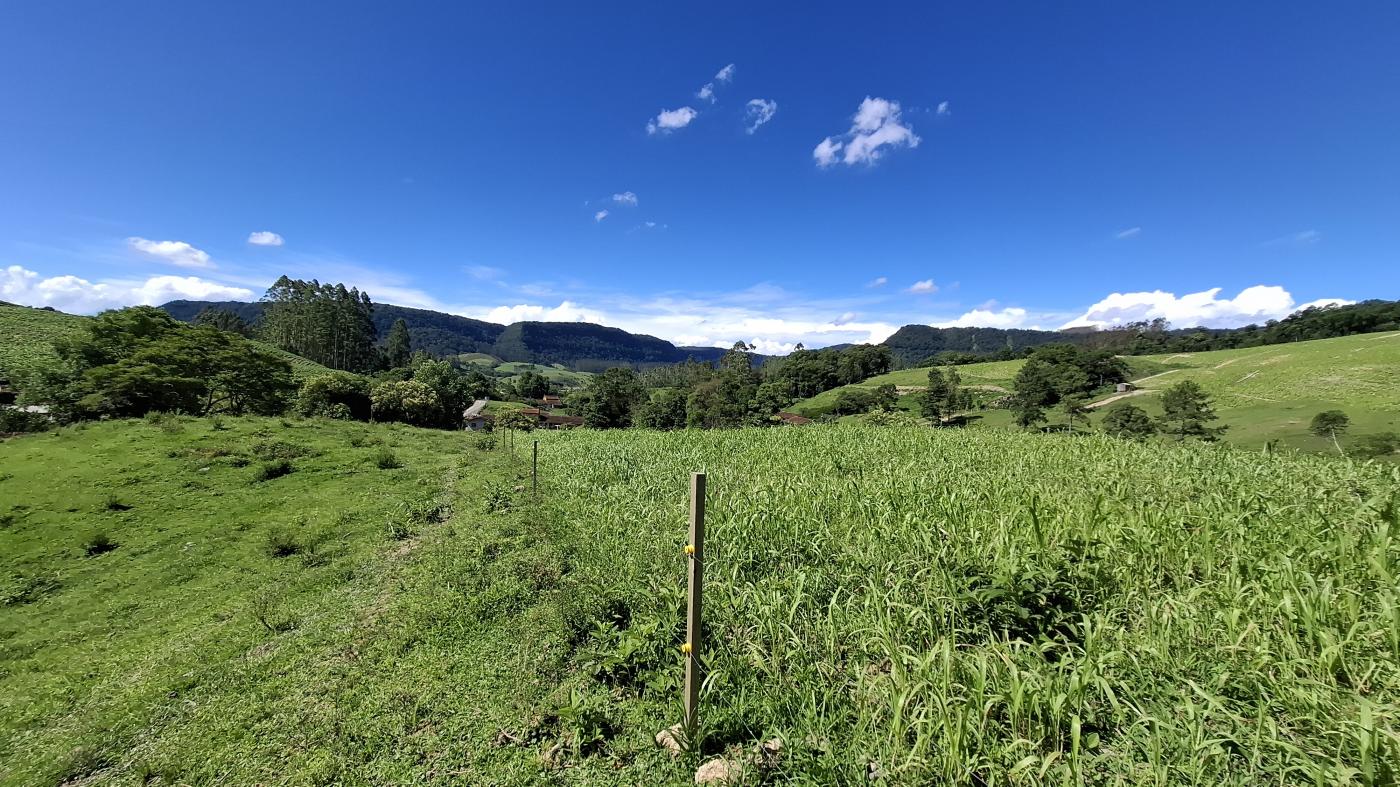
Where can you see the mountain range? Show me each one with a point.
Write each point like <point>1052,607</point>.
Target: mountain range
<point>589,347</point>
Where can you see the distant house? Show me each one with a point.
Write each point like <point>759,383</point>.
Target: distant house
<point>550,402</point>
<point>560,422</point>
<point>1126,387</point>
<point>792,419</point>
<point>482,422</point>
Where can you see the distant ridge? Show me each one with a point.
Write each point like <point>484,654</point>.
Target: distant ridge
<point>582,346</point>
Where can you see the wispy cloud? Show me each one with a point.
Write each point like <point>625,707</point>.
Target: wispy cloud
<point>600,215</point>
<point>669,120</point>
<point>707,91</point>
<point>1304,238</point>
<point>625,198</point>
<point>876,127</point>
<point>944,108</point>
<point>1127,233</point>
<point>265,239</point>
<point>175,252</point>
<point>757,112</point>
<point>878,281</point>
<point>484,272</point>
<point>925,287</point>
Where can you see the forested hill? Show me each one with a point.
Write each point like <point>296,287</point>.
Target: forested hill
<point>580,345</point>
<point>918,345</point>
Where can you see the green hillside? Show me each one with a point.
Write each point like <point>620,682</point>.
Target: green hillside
<point>922,605</point>
<point>1262,393</point>
<point>509,370</point>
<point>29,335</point>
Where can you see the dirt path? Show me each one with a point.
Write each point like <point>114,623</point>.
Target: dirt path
<point>1154,376</point>
<point>1114,398</point>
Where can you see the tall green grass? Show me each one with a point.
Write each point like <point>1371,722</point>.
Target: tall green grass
<point>979,608</point>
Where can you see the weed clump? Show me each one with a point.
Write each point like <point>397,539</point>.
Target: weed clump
<point>266,607</point>
<point>270,470</point>
<point>278,449</point>
<point>99,543</point>
<point>281,542</point>
<point>385,459</point>
<point>114,503</point>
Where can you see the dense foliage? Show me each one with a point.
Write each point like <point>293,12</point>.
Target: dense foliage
<point>326,323</point>
<point>1058,372</point>
<point>129,362</point>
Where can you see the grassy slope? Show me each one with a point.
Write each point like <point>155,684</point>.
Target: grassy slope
<point>27,337</point>
<point>1262,393</point>
<point>555,373</point>
<point>1228,597</point>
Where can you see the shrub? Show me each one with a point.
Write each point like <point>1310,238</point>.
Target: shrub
<point>217,424</point>
<point>266,607</point>
<point>14,420</point>
<point>99,543</point>
<point>281,542</point>
<point>339,395</point>
<point>278,449</point>
<point>270,470</point>
<point>485,442</point>
<point>385,459</point>
<point>410,402</point>
<point>114,503</point>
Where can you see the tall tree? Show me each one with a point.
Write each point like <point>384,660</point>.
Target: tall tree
<point>1187,412</point>
<point>1129,421</point>
<point>326,323</point>
<point>610,397</point>
<point>399,346</point>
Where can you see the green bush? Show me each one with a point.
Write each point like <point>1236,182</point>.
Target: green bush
<point>384,459</point>
<point>339,395</point>
<point>99,543</point>
<point>281,542</point>
<point>270,470</point>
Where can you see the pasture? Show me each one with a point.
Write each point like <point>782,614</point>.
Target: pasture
<point>913,605</point>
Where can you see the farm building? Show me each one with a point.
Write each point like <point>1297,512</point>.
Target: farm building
<point>550,402</point>
<point>1126,387</point>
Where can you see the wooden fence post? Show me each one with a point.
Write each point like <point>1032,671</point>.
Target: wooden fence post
<point>694,590</point>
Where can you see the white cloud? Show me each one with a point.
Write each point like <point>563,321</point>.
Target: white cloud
<point>1127,233</point>
<point>625,198</point>
<point>925,286</point>
<point>671,119</point>
<point>484,272</point>
<point>566,311</point>
<point>175,252</point>
<point>878,281</point>
<point>877,126</point>
<point>1011,317</point>
<point>725,74</point>
<point>944,108</point>
<point>265,239</point>
<point>80,296</point>
<point>757,112</point>
<point>1252,305</point>
<point>600,215</point>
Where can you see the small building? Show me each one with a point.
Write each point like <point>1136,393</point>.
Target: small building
<point>481,422</point>
<point>792,419</point>
<point>561,422</point>
<point>1126,387</point>
<point>550,402</point>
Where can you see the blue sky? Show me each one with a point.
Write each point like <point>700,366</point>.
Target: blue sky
<point>1003,164</point>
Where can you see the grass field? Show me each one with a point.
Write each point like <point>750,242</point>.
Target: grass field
<point>1261,393</point>
<point>555,373</point>
<point>27,336</point>
<point>960,606</point>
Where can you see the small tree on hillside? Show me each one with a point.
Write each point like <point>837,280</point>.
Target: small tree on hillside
<point>1028,411</point>
<point>1074,405</point>
<point>1128,421</point>
<point>399,346</point>
<point>933,405</point>
<point>1187,412</point>
<point>1330,424</point>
